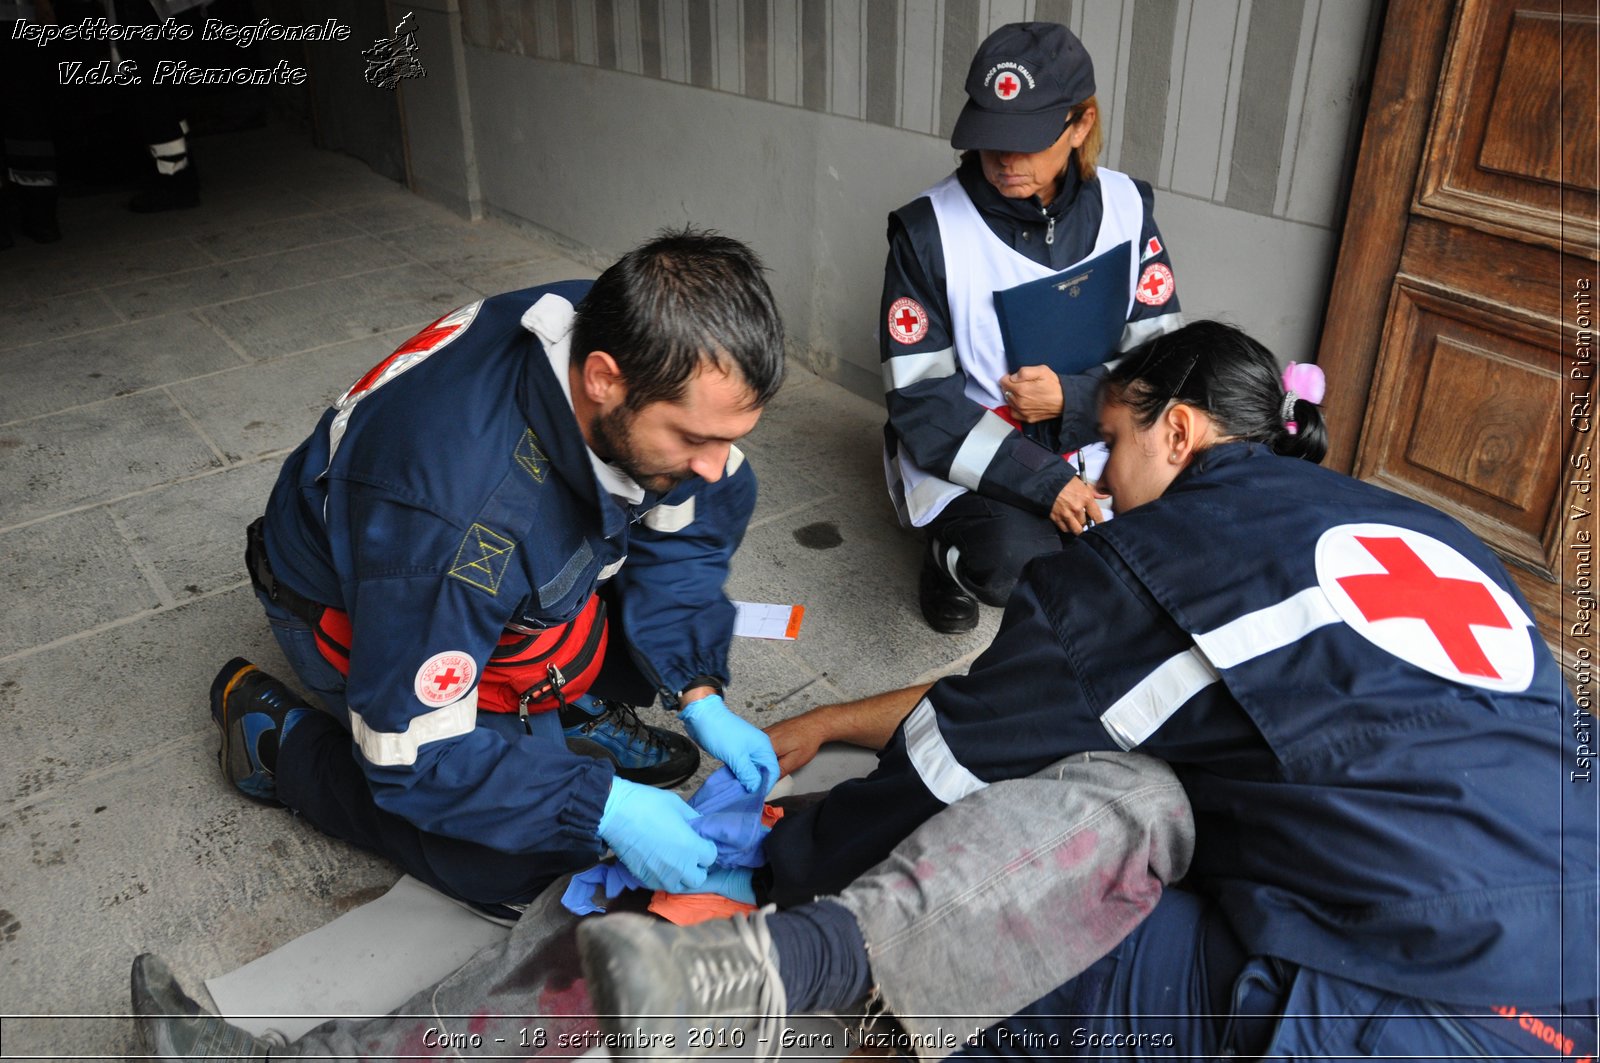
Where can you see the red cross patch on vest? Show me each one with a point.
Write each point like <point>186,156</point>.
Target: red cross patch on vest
<point>1155,285</point>
<point>908,321</point>
<point>1422,601</point>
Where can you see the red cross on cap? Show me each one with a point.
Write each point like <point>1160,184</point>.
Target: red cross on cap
<point>1006,86</point>
<point>1426,603</point>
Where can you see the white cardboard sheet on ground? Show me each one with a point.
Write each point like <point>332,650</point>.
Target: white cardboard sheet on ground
<point>368,961</point>
<point>372,959</point>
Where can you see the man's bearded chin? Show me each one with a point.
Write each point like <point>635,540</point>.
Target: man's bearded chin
<point>613,436</point>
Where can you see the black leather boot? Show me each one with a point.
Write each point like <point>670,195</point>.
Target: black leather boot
<point>946,605</point>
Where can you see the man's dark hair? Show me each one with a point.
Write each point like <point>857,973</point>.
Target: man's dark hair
<point>684,297</point>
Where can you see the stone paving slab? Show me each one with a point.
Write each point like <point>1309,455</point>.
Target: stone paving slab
<point>78,709</point>
<point>154,857</point>
<point>345,309</point>
<point>772,680</point>
<point>786,480</point>
<point>31,315</point>
<point>59,374</point>
<point>190,535</point>
<point>461,252</point>
<point>857,577</point>
<point>273,405</point>
<point>96,453</point>
<point>61,576</point>
<point>240,278</point>
<point>103,219</point>
<point>385,210</point>
<point>72,268</point>
<point>284,234</point>
<point>839,438</point>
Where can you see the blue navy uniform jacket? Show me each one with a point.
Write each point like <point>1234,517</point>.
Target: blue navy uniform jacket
<point>929,413</point>
<point>457,497</point>
<point>1356,812</point>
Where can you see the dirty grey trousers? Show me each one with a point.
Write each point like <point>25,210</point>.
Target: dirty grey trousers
<point>991,904</point>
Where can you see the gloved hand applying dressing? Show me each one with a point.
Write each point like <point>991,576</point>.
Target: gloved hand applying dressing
<point>649,830</point>
<point>739,744</point>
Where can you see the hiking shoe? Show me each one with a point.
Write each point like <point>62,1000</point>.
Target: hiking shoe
<point>653,985</point>
<point>174,1027</point>
<point>253,711</point>
<point>610,730</point>
<point>946,605</point>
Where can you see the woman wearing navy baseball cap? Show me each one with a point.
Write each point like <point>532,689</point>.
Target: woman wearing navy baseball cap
<point>1008,284</point>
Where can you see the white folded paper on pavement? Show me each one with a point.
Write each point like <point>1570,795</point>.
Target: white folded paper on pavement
<point>763,620</point>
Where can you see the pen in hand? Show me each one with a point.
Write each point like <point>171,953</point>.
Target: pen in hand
<point>1077,463</point>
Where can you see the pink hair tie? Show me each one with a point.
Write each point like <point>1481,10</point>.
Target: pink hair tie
<point>1301,382</point>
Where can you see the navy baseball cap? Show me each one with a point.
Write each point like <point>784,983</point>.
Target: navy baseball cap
<point>1024,81</point>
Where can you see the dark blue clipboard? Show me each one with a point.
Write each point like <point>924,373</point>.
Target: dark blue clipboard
<point>1070,321</point>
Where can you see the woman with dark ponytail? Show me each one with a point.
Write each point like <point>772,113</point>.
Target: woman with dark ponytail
<point>1389,852</point>
<point>1217,368</point>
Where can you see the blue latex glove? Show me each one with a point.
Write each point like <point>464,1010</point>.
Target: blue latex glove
<point>739,744</point>
<point>733,883</point>
<point>649,830</point>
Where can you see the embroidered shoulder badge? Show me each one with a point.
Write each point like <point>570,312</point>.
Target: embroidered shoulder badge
<point>445,678</point>
<point>482,559</point>
<point>530,457</point>
<point>908,321</point>
<point>1155,285</point>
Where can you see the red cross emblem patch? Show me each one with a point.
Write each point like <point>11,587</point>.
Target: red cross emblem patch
<point>1007,86</point>
<point>1422,601</point>
<point>411,352</point>
<point>445,677</point>
<point>1155,285</point>
<point>908,321</point>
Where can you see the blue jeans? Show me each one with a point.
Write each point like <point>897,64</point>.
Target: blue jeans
<point>317,677</point>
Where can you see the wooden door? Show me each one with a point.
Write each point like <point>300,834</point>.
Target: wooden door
<point>1458,342</point>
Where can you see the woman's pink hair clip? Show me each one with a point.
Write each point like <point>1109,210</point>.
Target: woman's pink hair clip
<point>1306,382</point>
